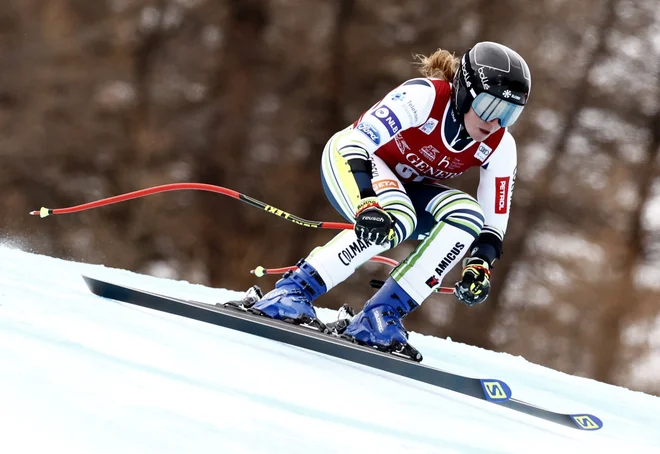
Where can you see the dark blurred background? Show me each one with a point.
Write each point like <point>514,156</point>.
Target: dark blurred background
<point>102,97</point>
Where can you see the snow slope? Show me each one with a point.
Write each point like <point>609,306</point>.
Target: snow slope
<point>82,374</point>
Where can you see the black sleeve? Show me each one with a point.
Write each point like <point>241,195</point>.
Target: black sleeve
<point>487,246</point>
<point>363,173</point>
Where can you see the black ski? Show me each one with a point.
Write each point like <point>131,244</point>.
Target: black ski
<point>487,389</point>
<point>492,390</point>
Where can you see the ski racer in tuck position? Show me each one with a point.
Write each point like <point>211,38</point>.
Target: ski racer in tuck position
<point>383,173</point>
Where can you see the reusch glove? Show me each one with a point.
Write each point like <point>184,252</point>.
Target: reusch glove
<point>474,286</point>
<point>372,223</point>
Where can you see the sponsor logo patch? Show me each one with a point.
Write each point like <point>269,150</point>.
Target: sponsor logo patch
<point>429,152</point>
<point>370,131</point>
<point>495,390</point>
<point>502,194</point>
<point>432,281</point>
<point>429,126</point>
<point>401,144</point>
<point>482,152</point>
<point>379,320</point>
<point>347,255</point>
<point>587,422</point>
<point>445,162</point>
<point>388,119</point>
<point>418,167</point>
<point>412,111</point>
<point>374,168</point>
<point>466,79</point>
<point>484,78</point>
<point>455,164</point>
<point>449,258</point>
<point>384,184</point>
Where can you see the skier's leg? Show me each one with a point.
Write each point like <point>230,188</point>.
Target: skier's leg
<point>339,258</point>
<point>458,221</point>
<point>328,265</point>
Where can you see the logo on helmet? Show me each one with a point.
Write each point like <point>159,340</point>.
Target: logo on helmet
<point>508,94</point>
<point>484,78</point>
<point>468,84</point>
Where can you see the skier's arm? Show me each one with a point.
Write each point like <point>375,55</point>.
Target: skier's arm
<point>494,195</point>
<point>407,106</point>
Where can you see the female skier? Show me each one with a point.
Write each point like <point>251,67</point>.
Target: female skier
<point>383,173</point>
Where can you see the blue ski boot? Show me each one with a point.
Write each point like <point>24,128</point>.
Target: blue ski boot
<point>291,299</point>
<point>379,323</point>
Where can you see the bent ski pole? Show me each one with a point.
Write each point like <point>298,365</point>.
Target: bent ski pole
<point>44,212</point>
<point>260,271</point>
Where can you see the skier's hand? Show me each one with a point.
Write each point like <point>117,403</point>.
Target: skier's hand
<point>372,223</point>
<point>474,286</point>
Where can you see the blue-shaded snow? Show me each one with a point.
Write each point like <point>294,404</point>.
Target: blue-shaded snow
<point>81,374</point>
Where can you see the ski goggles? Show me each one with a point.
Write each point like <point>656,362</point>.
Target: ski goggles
<point>488,108</point>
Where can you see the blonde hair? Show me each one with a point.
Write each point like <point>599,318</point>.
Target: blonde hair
<point>441,64</point>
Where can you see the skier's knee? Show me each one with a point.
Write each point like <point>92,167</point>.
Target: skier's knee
<point>405,223</point>
<point>458,209</point>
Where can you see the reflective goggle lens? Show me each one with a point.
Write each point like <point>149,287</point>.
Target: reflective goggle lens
<point>488,108</point>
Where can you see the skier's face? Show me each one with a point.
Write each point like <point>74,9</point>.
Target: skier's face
<point>478,129</point>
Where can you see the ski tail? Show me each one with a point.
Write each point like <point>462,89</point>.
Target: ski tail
<point>492,390</point>
<point>495,390</point>
<point>587,422</point>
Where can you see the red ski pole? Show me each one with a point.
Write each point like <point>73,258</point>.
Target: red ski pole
<point>44,212</point>
<point>259,271</point>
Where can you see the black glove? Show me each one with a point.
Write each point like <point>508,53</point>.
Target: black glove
<point>474,286</point>
<point>372,223</point>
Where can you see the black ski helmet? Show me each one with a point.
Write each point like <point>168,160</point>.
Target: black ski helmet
<point>498,71</point>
